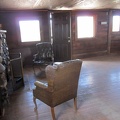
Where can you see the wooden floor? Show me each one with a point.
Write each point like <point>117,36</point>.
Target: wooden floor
<point>98,94</point>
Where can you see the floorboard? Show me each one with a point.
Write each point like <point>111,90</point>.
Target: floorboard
<point>98,94</point>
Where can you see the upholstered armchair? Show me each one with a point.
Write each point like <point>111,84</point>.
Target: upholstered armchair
<point>61,86</point>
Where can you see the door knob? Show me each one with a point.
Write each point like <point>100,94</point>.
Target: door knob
<point>68,40</point>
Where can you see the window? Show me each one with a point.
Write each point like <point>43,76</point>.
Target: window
<point>116,24</point>
<point>29,30</point>
<point>85,26</point>
<point>51,32</point>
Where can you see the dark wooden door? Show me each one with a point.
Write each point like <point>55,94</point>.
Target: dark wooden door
<point>61,36</point>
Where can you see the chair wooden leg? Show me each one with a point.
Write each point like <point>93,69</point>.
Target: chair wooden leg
<point>33,68</point>
<point>75,103</point>
<point>34,100</point>
<point>53,113</point>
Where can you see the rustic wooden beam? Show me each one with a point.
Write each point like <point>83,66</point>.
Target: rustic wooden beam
<point>109,30</point>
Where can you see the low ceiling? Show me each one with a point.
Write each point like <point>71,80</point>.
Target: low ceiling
<point>58,4</point>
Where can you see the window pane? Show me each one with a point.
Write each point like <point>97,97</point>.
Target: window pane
<point>30,30</point>
<point>85,26</point>
<point>116,22</point>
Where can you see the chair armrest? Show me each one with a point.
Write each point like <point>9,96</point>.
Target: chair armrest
<point>35,57</point>
<point>15,55</point>
<point>41,85</point>
<point>14,59</point>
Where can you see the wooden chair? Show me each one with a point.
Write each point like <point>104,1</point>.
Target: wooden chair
<point>61,85</point>
<point>16,70</point>
<point>44,55</point>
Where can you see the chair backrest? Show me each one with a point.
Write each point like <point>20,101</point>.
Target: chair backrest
<point>64,75</point>
<point>44,51</point>
<point>16,65</point>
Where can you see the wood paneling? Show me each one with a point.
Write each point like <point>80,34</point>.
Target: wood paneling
<point>90,45</point>
<point>9,21</point>
<point>104,38</point>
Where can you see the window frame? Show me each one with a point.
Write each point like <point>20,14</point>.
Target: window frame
<point>94,26</point>
<point>31,30</point>
<point>19,34</point>
<point>115,32</point>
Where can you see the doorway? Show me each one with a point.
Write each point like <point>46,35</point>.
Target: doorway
<point>61,36</point>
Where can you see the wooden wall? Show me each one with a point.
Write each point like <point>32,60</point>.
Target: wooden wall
<point>80,48</point>
<point>9,21</point>
<point>90,46</point>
